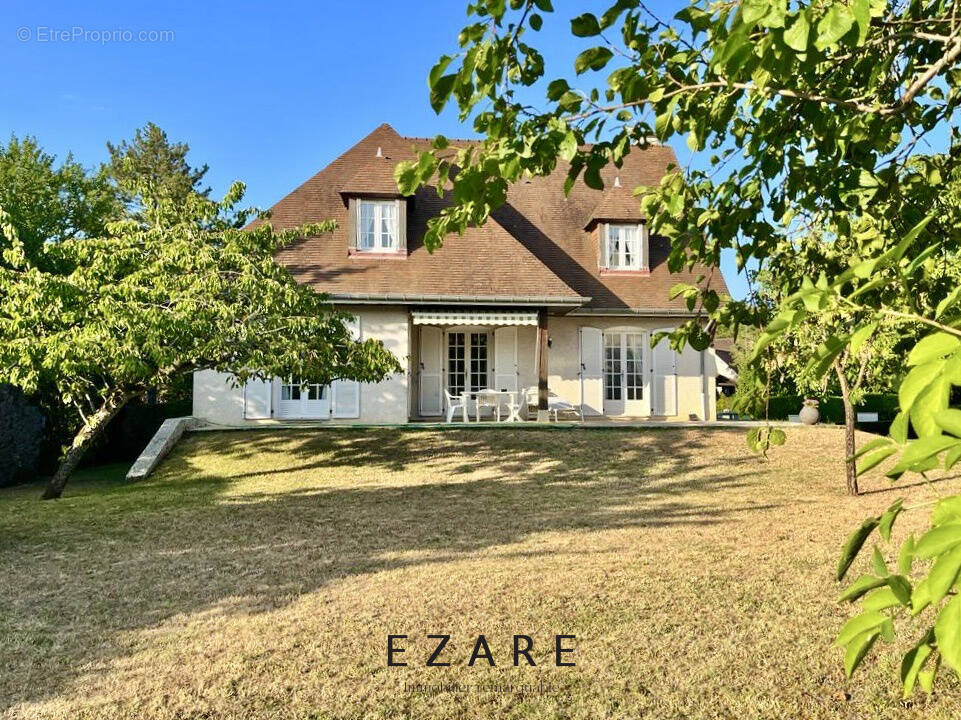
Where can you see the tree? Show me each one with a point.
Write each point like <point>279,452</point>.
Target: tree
<point>49,203</point>
<point>872,364</point>
<point>810,112</point>
<point>151,161</point>
<point>180,290</point>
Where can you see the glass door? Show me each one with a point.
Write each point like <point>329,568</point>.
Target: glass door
<point>624,392</point>
<point>467,361</point>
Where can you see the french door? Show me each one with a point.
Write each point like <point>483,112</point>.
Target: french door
<point>300,400</point>
<point>624,381</point>
<point>468,366</point>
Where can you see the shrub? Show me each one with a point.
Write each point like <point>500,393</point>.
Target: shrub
<point>21,433</point>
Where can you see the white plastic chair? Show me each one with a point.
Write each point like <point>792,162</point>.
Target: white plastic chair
<point>455,403</point>
<point>484,400</point>
<point>518,407</point>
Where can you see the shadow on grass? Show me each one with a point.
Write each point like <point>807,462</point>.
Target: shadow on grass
<point>123,557</point>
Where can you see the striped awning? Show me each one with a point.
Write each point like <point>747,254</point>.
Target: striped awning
<point>474,317</point>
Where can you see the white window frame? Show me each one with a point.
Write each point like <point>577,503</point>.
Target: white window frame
<point>618,255</point>
<point>378,241</point>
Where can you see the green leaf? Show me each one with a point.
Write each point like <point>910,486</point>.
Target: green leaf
<point>861,335</point>
<point>943,574</point>
<point>874,459</point>
<point>440,92</point>
<point>865,622</point>
<point>926,677</point>
<point>919,452</point>
<point>594,58</point>
<point>861,9</point>
<point>947,631</point>
<point>906,556</point>
<point>949,420</point>
<point>860,586</point>
<point>916,381</point>
<point>938,540</point>
<point>854,544</point>
<point>877,562</point>
<point>933,346</point>
<point>834,25</point>
<point>869,446</point>
<point>899,428</point>
<point>900,586</point>
<point>857,649</point>
<point>881,599</point>
<point>949,301</point>
<point>888,517</point>
<point>913,661</point>
<point>947,510</point>
<point>585,25</point>
<point>568,147</point>
<point>796,36</point>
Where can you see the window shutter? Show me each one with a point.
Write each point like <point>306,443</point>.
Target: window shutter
<point>257,397</point>
<point>345,394</point>
<point>353,223</point>
<point>602,245</point>
<point>645,248</point>
<point>401,225</point>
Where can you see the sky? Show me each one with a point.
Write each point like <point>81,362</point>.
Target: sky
<point>267,93</point>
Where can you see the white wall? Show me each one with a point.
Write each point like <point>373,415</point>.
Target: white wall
<point>217,401</point>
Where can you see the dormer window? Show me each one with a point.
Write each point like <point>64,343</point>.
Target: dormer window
<point>625,247</point>
<point>378,226</point>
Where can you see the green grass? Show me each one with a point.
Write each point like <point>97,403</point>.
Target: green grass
<point>258,574</point>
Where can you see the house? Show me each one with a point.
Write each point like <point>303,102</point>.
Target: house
<point>562,289</point>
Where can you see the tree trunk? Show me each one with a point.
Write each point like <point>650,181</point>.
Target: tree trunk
<point>849,463</point>
<point>87,434</point>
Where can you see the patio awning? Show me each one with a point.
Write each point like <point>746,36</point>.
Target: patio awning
<point>473,317</point>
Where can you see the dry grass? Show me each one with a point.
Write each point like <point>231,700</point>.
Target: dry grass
<point>259,573</point>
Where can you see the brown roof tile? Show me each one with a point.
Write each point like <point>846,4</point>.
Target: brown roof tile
<point>536,245</point>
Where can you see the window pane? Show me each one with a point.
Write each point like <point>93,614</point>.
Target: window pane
<point>388,226</point>
<point>478,361</point>
<point>367,225</point>
<point>613,369</point>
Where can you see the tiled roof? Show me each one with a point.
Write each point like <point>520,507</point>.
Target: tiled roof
<point>374,178</point>
<point>536,245</point>
<point>619,203</point>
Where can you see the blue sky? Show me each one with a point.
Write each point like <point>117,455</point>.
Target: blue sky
<point>267,93</point>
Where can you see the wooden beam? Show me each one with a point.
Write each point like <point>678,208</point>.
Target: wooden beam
<point>542,360</point>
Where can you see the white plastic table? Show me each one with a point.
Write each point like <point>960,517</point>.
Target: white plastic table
<point>495,398</point>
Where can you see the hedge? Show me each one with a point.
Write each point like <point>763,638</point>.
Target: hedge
<point>832,408</point>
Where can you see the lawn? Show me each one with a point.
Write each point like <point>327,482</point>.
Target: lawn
<point>257,575</point>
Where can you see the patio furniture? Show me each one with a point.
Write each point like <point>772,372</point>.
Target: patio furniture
<point>555,403</point>
<point>517,406</point>
<point>455,403</point>
<point>487,398</point>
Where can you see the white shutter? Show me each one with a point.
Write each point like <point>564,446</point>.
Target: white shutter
<point>257,399</point>
<point>645,247</point>
<point>430,378</point>
<point>602,246</point>
<point>592,371</point>
<point>664,378</point>
<point>505,359</point>
<point>345,394</point>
